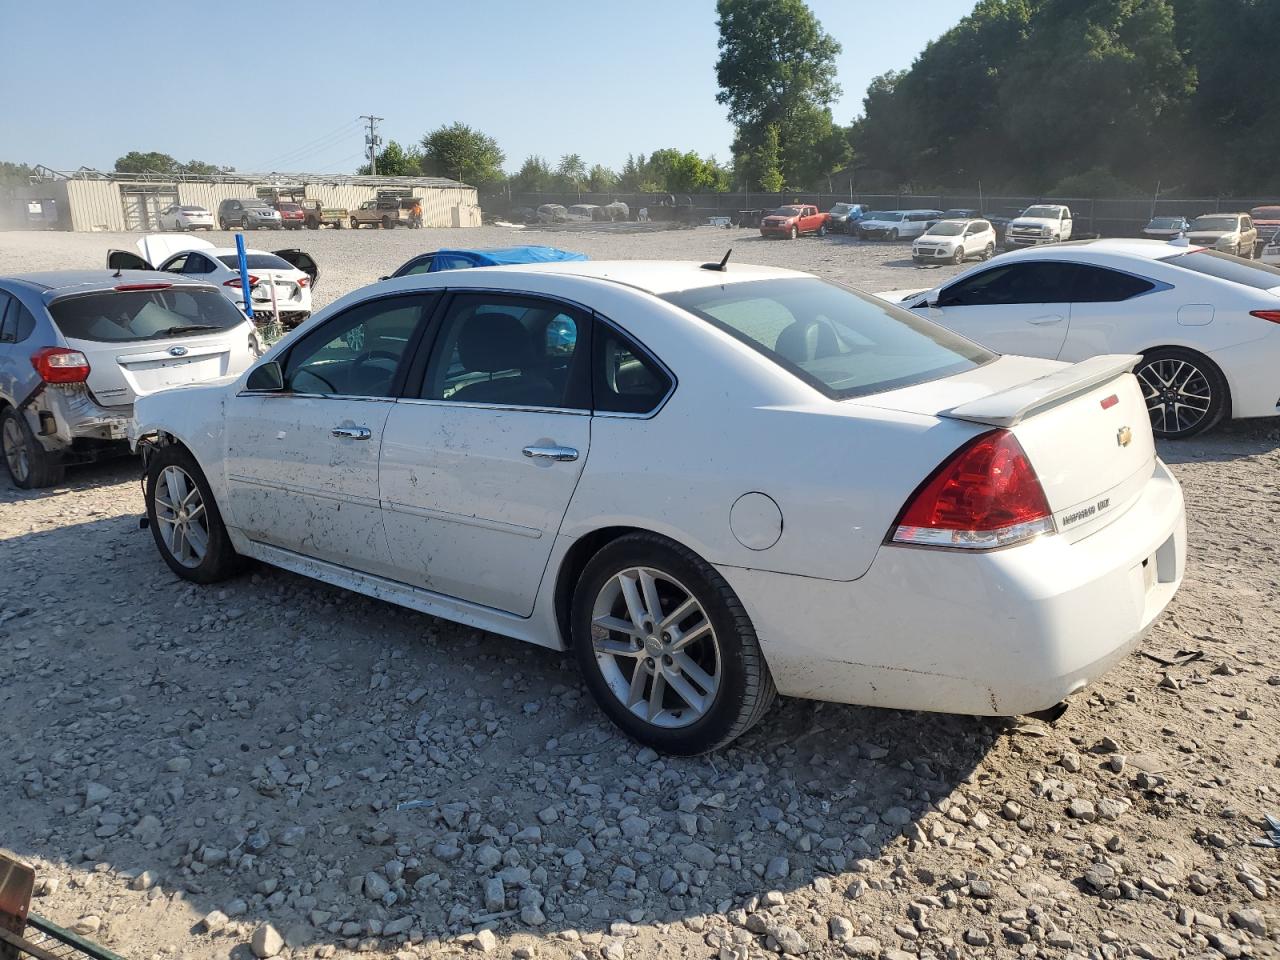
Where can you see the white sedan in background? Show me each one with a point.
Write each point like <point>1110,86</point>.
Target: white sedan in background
<point>184,216</point>
<point>292,273</point>
<point>955,241</point>
<point>1206,323</point>
<point>710,483</point>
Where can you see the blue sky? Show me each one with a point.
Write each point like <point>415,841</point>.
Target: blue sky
<point>85,81</point>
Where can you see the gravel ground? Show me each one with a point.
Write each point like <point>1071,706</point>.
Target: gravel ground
<point>209,772</point>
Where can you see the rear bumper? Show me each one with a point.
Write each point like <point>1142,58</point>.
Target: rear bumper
<point>1253,373</point>
<point>67,416</point>
<point>997,634</point>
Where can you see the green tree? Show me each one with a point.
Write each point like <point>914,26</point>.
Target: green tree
<point>135,161</point>
<point>777,76</point>
<point>463,153</point>
<point>534,176</point>
<point>396,161</point>
<point>760,167</point>
<point>600,179</point>
<point>199,168</point>
<point>15,174</point>
<point>571,171</point>
<point>677,172</point>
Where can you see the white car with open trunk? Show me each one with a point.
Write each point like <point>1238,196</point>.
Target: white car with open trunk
<point>710,483</point>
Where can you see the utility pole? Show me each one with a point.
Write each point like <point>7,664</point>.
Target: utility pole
<point>372,140</point>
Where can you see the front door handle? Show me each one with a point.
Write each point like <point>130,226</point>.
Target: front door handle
<point>563,454</point>
<point>1045,321</point>
<point>352,433</point>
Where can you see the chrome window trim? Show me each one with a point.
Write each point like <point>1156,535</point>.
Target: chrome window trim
<point>282,394</point>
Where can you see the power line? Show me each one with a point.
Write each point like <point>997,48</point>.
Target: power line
<point>333,135</point>
<point>372,140</point>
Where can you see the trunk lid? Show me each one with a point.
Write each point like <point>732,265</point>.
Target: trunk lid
<point>1084,427</point>
<point>159,247</point>
<point>120,373</point>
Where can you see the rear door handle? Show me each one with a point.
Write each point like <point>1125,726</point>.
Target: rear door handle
<point>352,433</point>
<point>563,454</point>
<point>1045,321</point>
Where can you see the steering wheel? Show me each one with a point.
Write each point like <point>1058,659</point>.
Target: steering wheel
<point>374,355</point>
<point>315,376</point>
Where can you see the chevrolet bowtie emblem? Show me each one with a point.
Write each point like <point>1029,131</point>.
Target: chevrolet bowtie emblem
<point>1123,436</point>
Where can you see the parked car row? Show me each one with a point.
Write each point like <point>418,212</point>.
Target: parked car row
<point>290,213</point>
<point>1244,234</point>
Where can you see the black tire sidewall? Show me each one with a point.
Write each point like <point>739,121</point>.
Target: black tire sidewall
<point>43,469</point>
<point>651,551</point>
<point>220,559</point>
<point>1217,383</point>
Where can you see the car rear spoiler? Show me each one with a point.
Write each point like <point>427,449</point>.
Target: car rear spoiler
<point>1008,407</point>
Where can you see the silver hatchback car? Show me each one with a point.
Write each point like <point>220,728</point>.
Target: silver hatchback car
<point>77,348</point>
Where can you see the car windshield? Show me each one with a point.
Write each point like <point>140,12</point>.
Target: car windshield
<point>1215,223</point>
<point>888,215</point>
<point>1048,213</point>
<point>1165,223</point>
<point>840,208</point>
<point>256,261</point>
<point>1265,213</point>
<point>787,212</point>
<point>960,214</point>
<point>1251,273</point>
<point>120,315</point>
<point>839,341</point>
<point>946,228</point>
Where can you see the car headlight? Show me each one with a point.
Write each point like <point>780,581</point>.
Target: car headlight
<point>1046,231</point>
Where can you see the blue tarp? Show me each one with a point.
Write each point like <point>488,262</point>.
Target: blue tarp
<point>456,259</point>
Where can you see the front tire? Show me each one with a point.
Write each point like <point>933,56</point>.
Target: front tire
<point>222,223</point>
<point>794,233</point>
<point>958,257</point>
<point>1184,392</point>
<point>666,647</point>
<point>184,519</point>
<point>30,465</point>
<point>355,224</point>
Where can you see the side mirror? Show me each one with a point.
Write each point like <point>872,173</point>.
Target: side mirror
<point>267,378</point>
<point>932,298</point>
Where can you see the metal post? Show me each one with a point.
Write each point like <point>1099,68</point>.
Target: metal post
<point>244,275</point>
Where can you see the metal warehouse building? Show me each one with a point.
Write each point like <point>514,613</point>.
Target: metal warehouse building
<point>93,200</point>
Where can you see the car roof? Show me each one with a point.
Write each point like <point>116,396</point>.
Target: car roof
<point>1142,249</point>
<point>51,284</point>
<point>653,276</point>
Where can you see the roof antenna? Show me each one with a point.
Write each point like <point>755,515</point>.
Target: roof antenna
<point>721,265</point>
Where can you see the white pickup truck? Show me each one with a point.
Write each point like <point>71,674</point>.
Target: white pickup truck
<point>1042,223</point>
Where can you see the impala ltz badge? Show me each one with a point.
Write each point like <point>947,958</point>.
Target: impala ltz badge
<point>1123,436</point>
<point>182,352</point>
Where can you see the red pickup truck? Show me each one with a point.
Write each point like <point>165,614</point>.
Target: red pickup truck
<point>793,220</point>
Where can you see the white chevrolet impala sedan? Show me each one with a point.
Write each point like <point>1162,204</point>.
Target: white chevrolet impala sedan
<point>710,483</point>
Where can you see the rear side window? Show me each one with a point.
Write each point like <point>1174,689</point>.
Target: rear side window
<point>1251,273</point>
<point>119,316</point>
<point>1098,285</point>
<point>256,261</point>
<point>8,318</point>
<point>840,342</point>
<point>625,379</point>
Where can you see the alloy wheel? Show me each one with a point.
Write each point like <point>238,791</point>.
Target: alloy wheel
<point>180,511</point>
<point>16,454</point>
<point>1178,394</point>
<point>655,647</point>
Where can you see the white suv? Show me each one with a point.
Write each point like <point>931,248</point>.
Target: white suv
<point>954,241</point>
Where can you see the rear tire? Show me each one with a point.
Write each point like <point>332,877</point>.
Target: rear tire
<point>355,224</point>
<point>184,519</point>
<point>387,223</point>
<point>822,230</point>
<point>719,664</point>
<point>244,223</point>
<point>1185,392</point>
<point>893,235</point>
<point>222,224</point>
<point>29,464</point>
<point>989,252</point>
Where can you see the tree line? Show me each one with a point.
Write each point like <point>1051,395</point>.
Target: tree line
<point>1065,97</point>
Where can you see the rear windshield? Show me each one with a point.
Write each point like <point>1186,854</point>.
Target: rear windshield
<point>1251,273</point>
<point>290,207</point>
<point>890,216</point>
<point>256,261</point>
<point>1165,223</point>
<point>1265,213</point>
<point>115,316</point>
<point>841,342</point>
<point>194,210</point>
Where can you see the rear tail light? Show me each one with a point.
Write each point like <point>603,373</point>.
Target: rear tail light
<point>304,281</point>
<point>984,495</point>
<point>1272,315</point>
<point>235,281</point>
<point>60,365</point>
<point>127,287</point>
